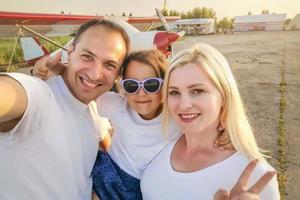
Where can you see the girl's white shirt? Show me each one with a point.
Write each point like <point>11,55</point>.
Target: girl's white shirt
<point>135,141</point>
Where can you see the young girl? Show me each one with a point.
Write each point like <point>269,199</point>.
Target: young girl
<point>203,105</point>
<point>136,120</point>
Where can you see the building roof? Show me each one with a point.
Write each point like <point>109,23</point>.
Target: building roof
<point>260,18</point>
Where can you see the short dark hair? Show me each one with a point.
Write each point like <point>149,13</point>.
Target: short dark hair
<point>108,25</point>
<point>151,57</point>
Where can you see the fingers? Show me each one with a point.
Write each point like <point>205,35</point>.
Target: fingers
<point>40,70</point>
<point>221,195</point>
<point>48,67</point>
<point>94,111</point>
<point>246,173</point>
<point>53,61</point>
<point>246,196</point>
<point>239,191</point>
<point>105,143</point>
<point>224,146</point>
<point>240,185</point>
<point>94,196</point>
<point>262,182</point>
<point>223,142</point>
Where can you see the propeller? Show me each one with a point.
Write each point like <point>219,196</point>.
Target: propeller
<point>164,39</point>
<point>162,19</point>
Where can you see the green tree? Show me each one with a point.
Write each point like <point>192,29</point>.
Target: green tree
<point>165,12</point>
<point>287,23</point>
<point>225,23</point>
<point>265,12</point>
<point>199,13</point>
<point>174,13</point>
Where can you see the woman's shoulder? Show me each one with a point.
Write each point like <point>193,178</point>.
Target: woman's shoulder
<point>262,166</point>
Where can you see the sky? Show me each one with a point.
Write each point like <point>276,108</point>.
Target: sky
<point>223,8</point>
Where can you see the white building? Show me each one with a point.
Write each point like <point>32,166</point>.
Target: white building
<point>295,23</point>
<point>266,22</point>
<point>195,26</point>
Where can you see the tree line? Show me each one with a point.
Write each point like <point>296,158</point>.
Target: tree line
<point>203,12</point>
<point>224,23</point>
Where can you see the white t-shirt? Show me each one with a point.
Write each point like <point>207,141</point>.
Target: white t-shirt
<point>135,141</point>
<point>161,181</point>
<point>51,152</point>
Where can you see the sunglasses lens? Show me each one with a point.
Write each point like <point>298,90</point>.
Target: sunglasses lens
<point>152,85</point>
<point>130,86</point>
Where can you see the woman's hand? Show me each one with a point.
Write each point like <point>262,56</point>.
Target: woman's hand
<point>240,191</point>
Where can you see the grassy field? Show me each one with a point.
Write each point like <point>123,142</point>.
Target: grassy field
<point>7,46</point>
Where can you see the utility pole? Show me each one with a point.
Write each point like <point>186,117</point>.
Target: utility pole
<point>165,5</point>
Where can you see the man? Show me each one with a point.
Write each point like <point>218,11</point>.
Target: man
<point>48,139</point>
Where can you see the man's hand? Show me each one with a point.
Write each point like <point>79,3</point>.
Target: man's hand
<point>240,191</point>
<point>48,67</point>
<point>223,142</point>
<point>103,127</point>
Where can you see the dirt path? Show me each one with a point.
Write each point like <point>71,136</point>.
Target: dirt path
<point>257,60</point>
<point>292,116</point>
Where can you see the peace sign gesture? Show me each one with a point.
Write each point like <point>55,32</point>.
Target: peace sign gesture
<point>240,191</point>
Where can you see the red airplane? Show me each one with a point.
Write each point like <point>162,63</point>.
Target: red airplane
<point>21,25</point>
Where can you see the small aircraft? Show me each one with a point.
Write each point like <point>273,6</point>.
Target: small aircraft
<point>30,27</point>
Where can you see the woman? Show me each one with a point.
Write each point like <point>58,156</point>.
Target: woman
<point>201,96</point>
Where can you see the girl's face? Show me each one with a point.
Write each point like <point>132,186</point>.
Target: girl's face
<point>193,100</point>
<point>147,105</point>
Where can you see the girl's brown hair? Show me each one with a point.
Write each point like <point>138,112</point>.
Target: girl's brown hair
<point>153,58</point>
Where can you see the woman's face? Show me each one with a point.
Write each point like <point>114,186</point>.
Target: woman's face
<point>147,105</point>
<point>193,100</point>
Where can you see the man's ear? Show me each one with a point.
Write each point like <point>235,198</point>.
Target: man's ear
<point>71,49</point>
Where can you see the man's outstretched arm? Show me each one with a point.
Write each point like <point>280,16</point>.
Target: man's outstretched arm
<point>13,102</point>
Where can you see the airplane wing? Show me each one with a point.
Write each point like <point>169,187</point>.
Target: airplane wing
<point>47,24</point>
<point>61,24</point>
<point>64,24</point>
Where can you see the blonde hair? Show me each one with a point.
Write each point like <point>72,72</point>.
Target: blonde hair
<point>233,117</point>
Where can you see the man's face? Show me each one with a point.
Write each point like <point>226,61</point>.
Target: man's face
<point>94,63</point>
